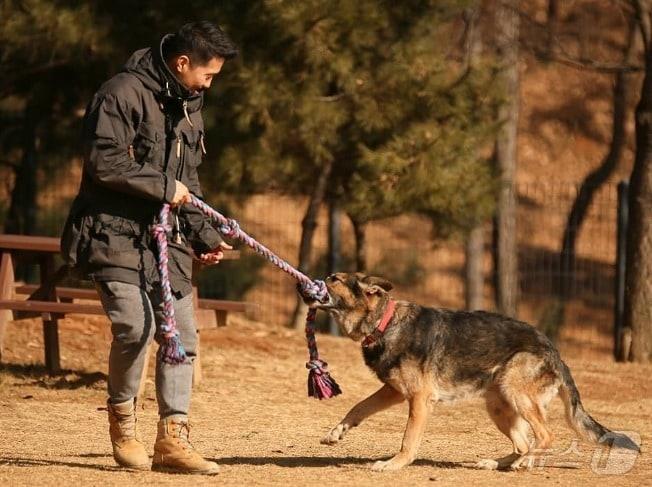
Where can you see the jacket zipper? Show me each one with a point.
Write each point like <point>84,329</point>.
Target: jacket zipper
<point>176,231</point>
<point>180,154</point>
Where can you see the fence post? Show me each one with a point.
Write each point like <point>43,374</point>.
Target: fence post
<point>334,252</point>
<point>621,255</point>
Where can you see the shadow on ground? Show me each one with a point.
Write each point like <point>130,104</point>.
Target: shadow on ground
<point>37,375</point>
<point>317,461</point>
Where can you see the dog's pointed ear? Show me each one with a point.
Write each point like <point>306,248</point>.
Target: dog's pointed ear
<point>380,282</point>
<point>375,285</point>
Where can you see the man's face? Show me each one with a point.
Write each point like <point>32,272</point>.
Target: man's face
<point>196,78</point>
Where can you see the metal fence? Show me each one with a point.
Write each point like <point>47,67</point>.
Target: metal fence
<point>424,270</point>
<point>585,306</point>
<point>431,272</point>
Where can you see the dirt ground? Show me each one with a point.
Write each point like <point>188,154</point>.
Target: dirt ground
<point>252,416</point>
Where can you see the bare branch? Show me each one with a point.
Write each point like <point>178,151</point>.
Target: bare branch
<point>588,64</point>
<point>560,55</point>
<point>643,9</point>
<point>471,44</point>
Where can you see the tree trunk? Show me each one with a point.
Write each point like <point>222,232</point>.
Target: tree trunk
<point>360,232</point>
<point>638,298</point>
<point>474,279</point>
<point>21,217</point>
<point>334,251</point>
<point>622,340</point>
<point>507,25</point>
<point>598,177</point>
<point>334,238</point>
<point>309,224</point>
<point>553,24</point>
<point>474,245</point>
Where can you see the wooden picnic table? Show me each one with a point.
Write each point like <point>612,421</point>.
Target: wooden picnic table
<point>52,302</point>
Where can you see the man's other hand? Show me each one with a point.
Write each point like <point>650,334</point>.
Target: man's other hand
<point>215,255</point>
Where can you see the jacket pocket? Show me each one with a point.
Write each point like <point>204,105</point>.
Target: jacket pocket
<point>75,238</point>
<point>180,260</point>
<point>149,145</point>
<point>114,242</point>
<point>195,147</point>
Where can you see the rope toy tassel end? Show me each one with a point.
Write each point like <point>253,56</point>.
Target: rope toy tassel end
<point>320,383</point>
<point>172,351</point>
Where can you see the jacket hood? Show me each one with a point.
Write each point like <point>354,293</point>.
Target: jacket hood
<point>149,67</point>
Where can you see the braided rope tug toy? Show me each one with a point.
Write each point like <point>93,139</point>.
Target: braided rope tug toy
<point>320,383</point>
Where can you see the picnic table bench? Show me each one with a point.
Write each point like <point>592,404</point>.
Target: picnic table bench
<point>52,302</point>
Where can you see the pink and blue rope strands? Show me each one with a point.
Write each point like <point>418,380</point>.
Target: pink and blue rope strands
<point>172,351</point>
<point>320,384</point>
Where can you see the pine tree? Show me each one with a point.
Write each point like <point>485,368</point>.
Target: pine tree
<point>45,49</point>
<point>372,94</point>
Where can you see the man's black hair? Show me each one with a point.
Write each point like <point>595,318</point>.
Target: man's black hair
<point>200,41</point>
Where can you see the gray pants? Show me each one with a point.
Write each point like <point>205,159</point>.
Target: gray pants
<point>134,312</point>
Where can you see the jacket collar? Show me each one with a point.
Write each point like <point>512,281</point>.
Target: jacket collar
<point>150,67</point>
<point>171,86</point>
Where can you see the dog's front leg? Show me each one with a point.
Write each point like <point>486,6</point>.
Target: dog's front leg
<point>383,398</point>
<point>419,409</point>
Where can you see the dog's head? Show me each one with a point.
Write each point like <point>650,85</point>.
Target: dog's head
<point>356,301</point>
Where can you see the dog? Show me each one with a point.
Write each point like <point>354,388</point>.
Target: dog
<point>424,355</point>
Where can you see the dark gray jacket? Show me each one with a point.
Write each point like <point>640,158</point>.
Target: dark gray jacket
<point>142,131</point>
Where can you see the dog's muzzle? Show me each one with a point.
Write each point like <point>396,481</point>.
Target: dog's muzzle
<point>327,304</point>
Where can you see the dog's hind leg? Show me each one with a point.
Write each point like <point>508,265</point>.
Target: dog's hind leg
<point>419,409</point>
<point>383,398</point>
<point>542,436</point>
<point>512,425</point>
<point>528,385</point>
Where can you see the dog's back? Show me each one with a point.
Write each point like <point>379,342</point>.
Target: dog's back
<point>460,347</point>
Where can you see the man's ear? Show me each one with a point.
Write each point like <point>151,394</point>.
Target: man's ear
<point>182,62</point>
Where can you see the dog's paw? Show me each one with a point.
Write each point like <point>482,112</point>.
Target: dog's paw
<point>487,464</point>
<point>334,435</point>
<point>387,465</point>
<point>526,462</point>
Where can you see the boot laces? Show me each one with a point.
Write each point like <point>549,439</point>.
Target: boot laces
<point>127,426</point>
<point>183,433</point>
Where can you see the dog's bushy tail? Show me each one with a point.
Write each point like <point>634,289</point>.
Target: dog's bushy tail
<point>581,421</point>
<point>578,419</point>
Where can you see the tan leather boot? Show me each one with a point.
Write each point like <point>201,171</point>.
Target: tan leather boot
<point>128,450</point>
<point>174,453</point>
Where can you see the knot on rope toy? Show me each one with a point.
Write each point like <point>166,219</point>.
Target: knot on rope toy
<point>229,229</point>
<point>314,290</point>
<point>161,229</point>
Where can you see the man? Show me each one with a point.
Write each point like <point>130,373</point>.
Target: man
<point>143,139</point>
